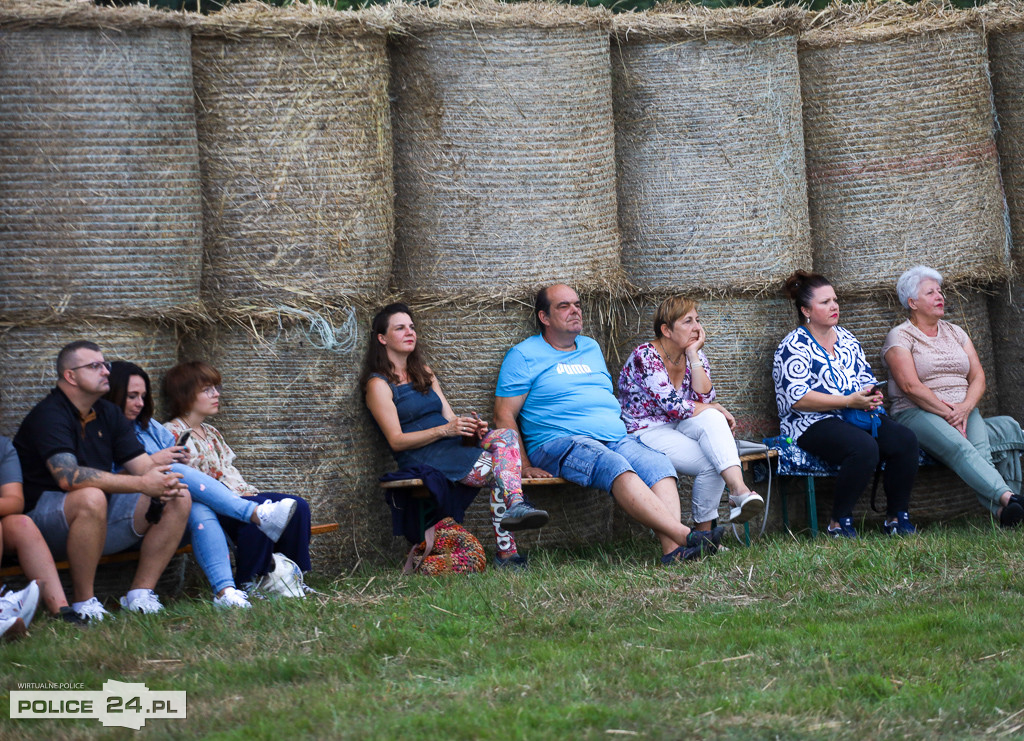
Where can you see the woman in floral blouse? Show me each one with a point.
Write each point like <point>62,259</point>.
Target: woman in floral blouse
<point>668,403</point>
<point>192,394</point>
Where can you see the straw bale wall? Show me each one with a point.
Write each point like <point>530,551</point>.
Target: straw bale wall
<point>742,334</point>
<point>871,318</point>
<point>901,160</point>
<point>709,145</point>
<point>504,152</point>
<point>28,355</point>
<point>1006,55</point>
<point>295,143</point>
<point>99,171</point>
<point>1007,312</point>
<point>465,346</point>
<point>296,419</point>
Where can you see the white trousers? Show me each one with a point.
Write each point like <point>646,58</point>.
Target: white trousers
<point>702,447</point>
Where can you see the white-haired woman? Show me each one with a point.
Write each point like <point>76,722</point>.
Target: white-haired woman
<point>938,382</point>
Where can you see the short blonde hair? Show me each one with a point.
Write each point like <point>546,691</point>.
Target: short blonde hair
<point>670,311</point>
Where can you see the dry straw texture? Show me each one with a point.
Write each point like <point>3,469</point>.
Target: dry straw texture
<point>709,145</point>
<point>1006,55</point>
<point>871,318</point>
<point>99,172</point>
<point>295,143</point>
<point>504,151</point>
<point>1007,312</point>
<point>465,346</point>
<point>901,159</point>
<point>77,14</point>
<point>28,354</point>
<point>296,419</point>
<point>742,334</point>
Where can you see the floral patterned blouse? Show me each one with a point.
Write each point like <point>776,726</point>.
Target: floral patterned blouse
<point>212,456</point>
<point>647,396</point>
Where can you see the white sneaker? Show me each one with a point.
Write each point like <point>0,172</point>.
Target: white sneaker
<point>745,507</point>
<point>147,603</point>
<point>92,611</point>
<point>11,628</point>
<point>232,598</point>
<point>275,516</point>
<point>20,604</point>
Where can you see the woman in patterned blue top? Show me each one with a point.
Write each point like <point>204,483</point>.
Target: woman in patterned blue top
<point>819,371</point>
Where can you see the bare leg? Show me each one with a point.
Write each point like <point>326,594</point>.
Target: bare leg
<point>86,513</point>
<point>24,539</point>
<point>161,539</point>
<point>648,507</point>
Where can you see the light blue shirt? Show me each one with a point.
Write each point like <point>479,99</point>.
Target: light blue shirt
<point>155,438</point>
<point>567,393</point>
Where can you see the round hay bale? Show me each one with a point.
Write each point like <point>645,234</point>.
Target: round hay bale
<point>295,416</point>
<point>504,151</point>
<point>742,335</point>
<point>871,318</point>
<point>1007,322</point>
<point>99,171</point>
<point>295,148</point>
<point>901,161</point>
<point>1006,55</point>
<point>722,118</point>
<point>28,355</point>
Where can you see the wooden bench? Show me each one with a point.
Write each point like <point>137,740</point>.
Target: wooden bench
<point>417,490</point>
<point>128,556</point>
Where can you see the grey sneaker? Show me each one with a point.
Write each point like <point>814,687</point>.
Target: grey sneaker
<point>274,517</point>
<point>20,604</point>
<point>147,603</point>
<point>93,611</point>
<point>524,516</point>
<point>747,506</point>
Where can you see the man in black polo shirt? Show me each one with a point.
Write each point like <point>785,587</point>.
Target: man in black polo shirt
<point>69,444</point>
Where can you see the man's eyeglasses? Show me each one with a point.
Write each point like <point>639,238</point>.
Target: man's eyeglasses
<point>212,391</point>
<point>94,366</point>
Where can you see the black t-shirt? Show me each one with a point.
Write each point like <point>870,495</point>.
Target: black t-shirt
<point>103,439</point>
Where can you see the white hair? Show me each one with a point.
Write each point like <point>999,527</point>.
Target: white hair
<point>909,284</point>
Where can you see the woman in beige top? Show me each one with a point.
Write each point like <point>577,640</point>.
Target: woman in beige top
<point>938,382</point>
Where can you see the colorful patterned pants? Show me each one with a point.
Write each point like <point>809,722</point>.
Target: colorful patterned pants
<point>499,469</point>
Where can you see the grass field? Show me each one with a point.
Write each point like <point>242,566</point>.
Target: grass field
<point>878,638</point>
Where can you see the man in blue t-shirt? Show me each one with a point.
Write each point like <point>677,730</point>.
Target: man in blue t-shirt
<point>556,390</point>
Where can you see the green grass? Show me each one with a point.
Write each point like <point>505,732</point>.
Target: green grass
<point>916,638</point>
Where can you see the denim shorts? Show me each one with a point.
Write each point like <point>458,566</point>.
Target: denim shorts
<point>588,462</point>
<point>48,515</point>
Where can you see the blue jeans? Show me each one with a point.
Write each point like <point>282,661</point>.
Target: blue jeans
<point>588,462</point>
<point>209,543</point>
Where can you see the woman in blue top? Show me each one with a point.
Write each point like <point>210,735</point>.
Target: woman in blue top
<point>130,390</point>
<point>406,401</point>
<point>819,371</point>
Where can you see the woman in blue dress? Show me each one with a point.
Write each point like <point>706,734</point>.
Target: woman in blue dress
<point>406,401</point>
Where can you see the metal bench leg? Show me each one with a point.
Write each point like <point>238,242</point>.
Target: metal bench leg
<point>812,507</point>
<point>746,533</point>
<point>785,510</point>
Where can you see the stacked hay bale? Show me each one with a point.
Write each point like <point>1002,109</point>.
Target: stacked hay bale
<point>902,169</point>
<point>99,189</point>
<point>712,196</point>
<point>709,147</point>
<point>295,146</point>
<point>901,158</point>
<point>504,182</point>
<point>1005,24</point>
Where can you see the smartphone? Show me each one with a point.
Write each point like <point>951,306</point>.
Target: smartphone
<point>183,440</point>
<point>878,388</point>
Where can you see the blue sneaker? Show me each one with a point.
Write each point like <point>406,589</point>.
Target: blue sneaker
<point>682,553</point>
<point>523,516</point>
<point>902,525</point>
<point>516,562</point>
<point>845,529</point>
<point>707,540</point>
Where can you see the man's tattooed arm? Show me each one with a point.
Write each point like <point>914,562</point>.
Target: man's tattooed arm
<point>69,475</point>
